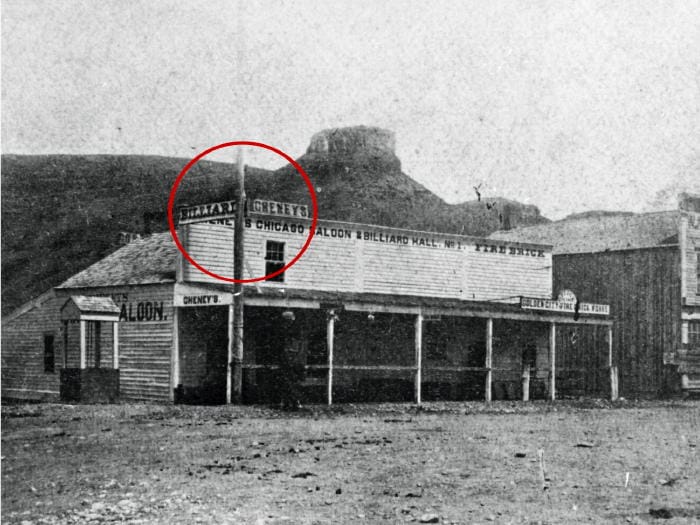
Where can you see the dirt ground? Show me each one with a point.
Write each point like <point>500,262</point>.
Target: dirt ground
<point>442,463</point>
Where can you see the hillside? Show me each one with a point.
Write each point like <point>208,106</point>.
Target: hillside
<point>61,213</point>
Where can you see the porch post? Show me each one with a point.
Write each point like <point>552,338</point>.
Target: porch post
<point>419,357</point>
<point>65,344</point>
<point>230,362</point>
<point>115,345</point>
<point>489,358</point>
<point>83,344</point>
<point>552,361</point>
<point>613,369</point>
<point>526,383</point>
<point>175,355</point>
<point>330,336</point>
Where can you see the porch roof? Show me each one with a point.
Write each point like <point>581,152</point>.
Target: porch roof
<point>393,303</point>
<point>90,308</point>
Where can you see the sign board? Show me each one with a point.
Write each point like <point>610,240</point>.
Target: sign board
<point>208,212</point>
<point>279,208</point>
<point>189,296</point>
<point>555,305</point>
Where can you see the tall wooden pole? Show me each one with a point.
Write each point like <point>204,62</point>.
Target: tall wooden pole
<point>230,352</point>
<point>238,265</point>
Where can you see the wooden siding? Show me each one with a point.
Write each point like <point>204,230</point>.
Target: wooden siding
<point>358,258</point>
<point>211,245</point>
<point>23,373</point>
<point>690,247</point>
<point>582,360</point>
<point>643,290</point>
<point>145,340</point>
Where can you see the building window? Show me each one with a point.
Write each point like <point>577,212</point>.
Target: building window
<point>694,333</point>
<point>697,272</point>
<point>49,355</point>
<point>274,259</point>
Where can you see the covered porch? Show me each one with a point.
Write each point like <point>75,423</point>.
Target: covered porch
<point>90,369</point>
<point>378,347</point>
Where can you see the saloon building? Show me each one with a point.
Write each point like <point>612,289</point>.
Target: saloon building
<point>378,314</point>
<point>647,268</point>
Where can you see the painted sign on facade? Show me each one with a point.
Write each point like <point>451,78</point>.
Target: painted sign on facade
<point>287,209</point>
<point>555,305</point>
<point>207,212</point>
<point>137,311</point>
<point>348,257</point>
<point>191,296</point>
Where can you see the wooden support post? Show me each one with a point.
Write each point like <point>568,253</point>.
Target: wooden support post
<point>330,337</point>
<point>65,344</point>
<point>489,359</point>
<point>175,356</point>
<point>115,345</point>
<point>526,383</point>
<point>419,358</point>
<point>83,344</point>
<point>238,265</point>
<point>552,361</point>
<point>613,383</point>
<point>685,385</point>
<point>230,350</point>
<point>613,369</point>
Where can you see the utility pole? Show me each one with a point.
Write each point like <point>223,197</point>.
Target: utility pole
<point>238,264</point>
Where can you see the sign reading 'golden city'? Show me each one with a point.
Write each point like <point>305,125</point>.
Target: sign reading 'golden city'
<point>554,305</point>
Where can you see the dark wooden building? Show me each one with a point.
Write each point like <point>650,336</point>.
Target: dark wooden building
<point>647,268</point>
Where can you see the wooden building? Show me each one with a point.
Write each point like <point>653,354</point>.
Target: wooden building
<point>376,314</point>
<point>647,267</point>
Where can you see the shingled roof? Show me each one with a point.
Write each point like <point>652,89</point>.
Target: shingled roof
<point>150,260</point>
<point>601,233</point>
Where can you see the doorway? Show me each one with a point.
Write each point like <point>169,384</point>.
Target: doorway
<point>203,333</point>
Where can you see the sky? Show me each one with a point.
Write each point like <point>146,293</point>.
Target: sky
<point>568,105</point>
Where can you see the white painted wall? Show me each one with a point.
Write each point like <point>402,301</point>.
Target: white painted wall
<point>360,258</point>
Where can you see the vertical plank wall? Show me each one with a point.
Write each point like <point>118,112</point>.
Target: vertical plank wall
<point>23,374</point>
<point>690,237</point>
<point>642,288</point>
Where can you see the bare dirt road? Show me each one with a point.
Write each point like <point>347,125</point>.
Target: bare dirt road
<point>443,463</point>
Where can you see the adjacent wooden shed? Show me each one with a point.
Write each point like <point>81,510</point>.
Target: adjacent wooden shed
<point>647,268</point>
